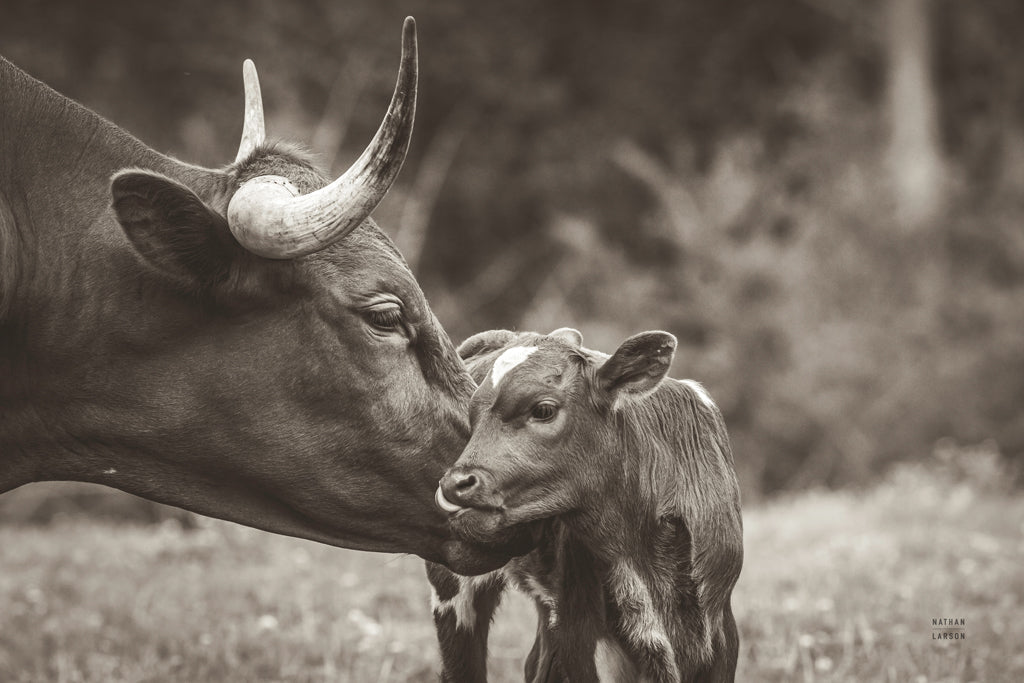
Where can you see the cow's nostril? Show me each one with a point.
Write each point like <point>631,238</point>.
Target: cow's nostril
<point>466,482</point>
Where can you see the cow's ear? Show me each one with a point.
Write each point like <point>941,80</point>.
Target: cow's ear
<point>173,229</point>
<point>569,336</point>
<point>638,366</point>
<point>482,342</point>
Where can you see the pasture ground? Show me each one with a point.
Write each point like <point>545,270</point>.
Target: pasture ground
<point>835,587</point>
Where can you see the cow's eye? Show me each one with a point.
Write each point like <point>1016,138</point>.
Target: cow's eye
<point>544,411</point>
<point>385,318</point>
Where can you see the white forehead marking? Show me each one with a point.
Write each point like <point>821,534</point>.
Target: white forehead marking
<point>508,360</point>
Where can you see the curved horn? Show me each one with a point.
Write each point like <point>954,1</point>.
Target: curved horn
<point>253,130</point>
<point>268,219</point>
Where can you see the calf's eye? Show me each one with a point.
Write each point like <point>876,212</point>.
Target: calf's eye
<point>544,411</point>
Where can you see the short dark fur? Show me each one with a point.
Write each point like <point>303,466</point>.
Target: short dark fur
<point>675,520</point>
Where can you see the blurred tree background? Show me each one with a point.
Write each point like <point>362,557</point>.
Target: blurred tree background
<point>823,199</point>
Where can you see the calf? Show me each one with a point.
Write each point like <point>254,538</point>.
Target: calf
<point>624,482</point>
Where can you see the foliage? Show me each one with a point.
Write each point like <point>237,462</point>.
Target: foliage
<point>717,169</point>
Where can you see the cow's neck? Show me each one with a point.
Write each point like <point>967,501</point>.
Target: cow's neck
<point>67,274</point>
<point>56,161</point>
<point>59,151</point>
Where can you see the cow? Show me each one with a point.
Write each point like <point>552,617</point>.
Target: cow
<point>243,342</point>
<point>625,482</point>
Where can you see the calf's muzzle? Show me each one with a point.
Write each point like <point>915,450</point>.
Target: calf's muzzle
<point>465,487</point>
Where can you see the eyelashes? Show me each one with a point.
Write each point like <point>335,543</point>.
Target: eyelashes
<point>544,411</point>
<point>386,319</point>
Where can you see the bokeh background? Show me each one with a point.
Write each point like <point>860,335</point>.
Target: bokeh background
<point>822,199</point>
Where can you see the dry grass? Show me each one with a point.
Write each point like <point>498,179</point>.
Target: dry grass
<point>836,587</point>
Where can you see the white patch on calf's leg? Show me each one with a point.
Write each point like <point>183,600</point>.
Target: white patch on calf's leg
<point>641,623</point>
<point>465,612</point>
<point>612,663</point>
<point>435,601</point>
<point>543,596</point>
<point>462,603</point>
<point>508,360</point>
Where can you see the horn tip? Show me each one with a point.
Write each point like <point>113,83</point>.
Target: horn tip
<point>409,33</point>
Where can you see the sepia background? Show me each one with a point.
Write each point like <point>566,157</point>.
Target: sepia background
<point>822,199</point>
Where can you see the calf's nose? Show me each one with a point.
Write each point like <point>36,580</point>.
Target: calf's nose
<point>463,483</point>
<point>464,487</point>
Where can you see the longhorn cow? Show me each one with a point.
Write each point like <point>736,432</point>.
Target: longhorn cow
<point>242,342</point>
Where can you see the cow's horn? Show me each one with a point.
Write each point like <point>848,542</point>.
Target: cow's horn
<point>267,217</point>
<point>253,130</point>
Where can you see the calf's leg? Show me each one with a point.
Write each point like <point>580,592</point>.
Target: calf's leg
<point>542,665</point>
<point>463,608</point>
<point>722,668</point>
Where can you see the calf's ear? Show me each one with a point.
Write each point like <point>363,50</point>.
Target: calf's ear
<point>569,336</point>
<point>638,365</point>
<point>173,229</point>
<point>482,342</point>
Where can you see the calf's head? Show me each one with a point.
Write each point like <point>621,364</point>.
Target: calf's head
<point>544,420</point>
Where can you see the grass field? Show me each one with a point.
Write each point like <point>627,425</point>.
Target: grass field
<point>835,587</point>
